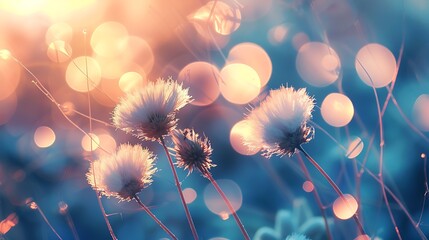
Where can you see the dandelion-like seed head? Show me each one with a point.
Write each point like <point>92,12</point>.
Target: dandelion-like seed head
<point>192,152</point>
<point>124,173</point>
<point>150,112</point>
<point>279,124</point>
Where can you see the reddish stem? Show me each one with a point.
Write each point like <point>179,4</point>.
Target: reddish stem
<point>334,186</point>
<point>228,203</point>
<point>179,189</point>
<point>154,217</point>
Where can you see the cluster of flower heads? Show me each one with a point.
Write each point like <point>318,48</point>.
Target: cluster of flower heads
<point>279,124</point>
<point>148,113</point>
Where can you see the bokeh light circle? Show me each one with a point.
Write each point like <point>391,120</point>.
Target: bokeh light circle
<point>190,195</point>
<point>421,112</point>
<point>355,148</point>
<point>345,209</point>
<point>318,64</point>
<point>130,81</point>
<point>59,51</point>
<point>375,65</point>
<point>214,201</point>
<point>363,237</point>
<point>337,110</point>
<point>109,39</point>
<point>202,80</point>
<point>240,83</point>
<point>76,76</point>
<point>59,32</point>
<point>308,186</point>
<point>44,137</point>
<point>255,57</point>
<point>225,18</point>
<point>238,132</point>
<point>90,142</point>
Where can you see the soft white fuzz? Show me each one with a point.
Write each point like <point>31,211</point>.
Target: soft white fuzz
<point>123,173</point>
<point>279,124</point>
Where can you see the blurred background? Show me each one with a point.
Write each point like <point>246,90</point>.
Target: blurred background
<point>230,53</point>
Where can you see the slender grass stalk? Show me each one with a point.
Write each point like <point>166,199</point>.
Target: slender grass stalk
<point>154,217</point>
<point>229,205</point>
<point>316,196</point>
<point>334,186</point>
<point>34,205</point>
<point>179,189</point>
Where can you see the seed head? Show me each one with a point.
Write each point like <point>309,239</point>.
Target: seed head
<point>150,112</point>
<point>123,173</point>
<point>192,152</point>
<point>279,124</point>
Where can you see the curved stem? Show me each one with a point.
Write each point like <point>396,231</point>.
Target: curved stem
<point>316,196</point>
<point>228,203</point>
<point>154,217</point>
<point>334,186</point>
<point>179,189</point>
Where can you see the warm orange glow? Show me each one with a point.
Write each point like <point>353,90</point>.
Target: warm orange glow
<point>318,64</point>
<point>375,65</point>
<point>59,51</point>
<point>8,108</point>
<point>308,186</point>
<point>362,237</point>
<point>5,54</point>
<point>214,201</point>
<point>421,112</point>
<point>345,209</point>
<point>44,137</point>
<point>59,32</point>
<point>83,74</point>
<point>202,79</point>
<point>130,81</point>
<point>224,215</point>
<point>106,141</point>
<point>238,132</point>
<point>190,195</point>
<point>240,83</point>
<point>10,74</point>
<point>89,145</point>
<point>355,148</point>
<point>109,39</point>
<point>225,18</point>
<point>255,57</point>
<point>337,110</point>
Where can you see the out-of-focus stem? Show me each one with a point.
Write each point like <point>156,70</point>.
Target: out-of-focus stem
<point>154,217</point>
<point>229,205</point>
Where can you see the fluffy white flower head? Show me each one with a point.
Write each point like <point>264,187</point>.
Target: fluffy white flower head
<point>279,124</point>
<point>123,173</point>
<point>150,112</point>
<point>191,151</point>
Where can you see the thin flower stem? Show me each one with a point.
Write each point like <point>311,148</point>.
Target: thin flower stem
<point>100,204</point>
<point>334,186</point>
<point>47,222</point>
<point>179,189</point>
<point>154,217</point>
<point>228,203</point>
<point>316,196</point>
<point>72,226</point>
